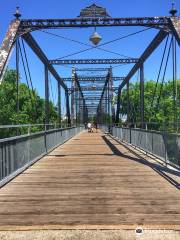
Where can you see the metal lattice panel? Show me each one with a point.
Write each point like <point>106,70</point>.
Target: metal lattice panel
<point>34,24</point>
<point>92,88</point>
<point>94,61</point>
<point>86,79</point>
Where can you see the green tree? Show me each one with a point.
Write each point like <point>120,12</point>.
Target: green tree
<point>31,105</point>
<point>159,105</point>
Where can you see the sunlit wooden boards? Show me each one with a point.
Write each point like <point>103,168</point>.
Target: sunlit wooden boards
<point>90,182</point>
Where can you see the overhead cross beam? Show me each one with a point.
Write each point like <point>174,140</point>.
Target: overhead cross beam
<point>91,88</point>
<point>92,98</point>
<point>36,24</point>
<point>94,61</point>
<point>91,69</point>
<point>86,79</point>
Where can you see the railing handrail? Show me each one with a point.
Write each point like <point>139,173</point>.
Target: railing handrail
<point>9,139</point>
<point>29,125</point>
<point>19,152</point>
<point>149,130</point>
<point>167,150</point>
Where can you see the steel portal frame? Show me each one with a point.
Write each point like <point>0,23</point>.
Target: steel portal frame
<point>165,24</point>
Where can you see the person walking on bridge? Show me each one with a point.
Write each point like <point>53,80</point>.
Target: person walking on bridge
<point>89,126</point>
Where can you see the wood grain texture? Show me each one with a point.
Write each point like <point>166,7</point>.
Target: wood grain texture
<point>90,182</point>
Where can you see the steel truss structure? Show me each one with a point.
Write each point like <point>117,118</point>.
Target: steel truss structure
<point>78,95</point>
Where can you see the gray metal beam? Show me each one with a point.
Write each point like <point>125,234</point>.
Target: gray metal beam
<point>83,98</point>
<point>59,102</point>
<point>93,61</point>
<point>73,103</point>
<point>46,95</point>
<point>41,55</point>
<point>95,78</point>
<point>34,24</point>
<point>79,86</point>
<point>91,89</point>
<point>128,103</point>
<point>7,46</point>
<point>91,69</point>
<point>67,108</point>
<point>142,95</point>
<point>105,85</point>
<point>175,27</point>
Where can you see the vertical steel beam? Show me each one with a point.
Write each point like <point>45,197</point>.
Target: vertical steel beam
<point>174,63</point>
<point>128,103</point>
<point>100,110</point>
<point>46,95</point>
<point>17,76</point>
<point>112,95</point>
<point>118,105</point>
<point>67,108</point>
<point>77,102</point>
<point>79,98</point>
<point>79,107</point>
<point>73,87</point>
<point>104,92</point>
<point>109,103</point>
<point>142,95</point>
<point>174,24</point>
<point>106,105</point>
<point>59,103</point>
<point>84,112</point>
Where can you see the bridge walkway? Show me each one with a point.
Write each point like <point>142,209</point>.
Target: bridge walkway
<point>90,182</point>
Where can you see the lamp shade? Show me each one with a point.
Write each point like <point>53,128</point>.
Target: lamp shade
<point>95,38</point>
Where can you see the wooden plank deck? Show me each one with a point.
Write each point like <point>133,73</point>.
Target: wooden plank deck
<point>90,182</point>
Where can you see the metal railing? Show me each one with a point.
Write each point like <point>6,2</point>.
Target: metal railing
<point>7,131</point>
<point>103,127</point>
<point>164,145</point>
<point>19,152</point>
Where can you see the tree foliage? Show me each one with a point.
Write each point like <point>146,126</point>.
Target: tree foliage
<point>158,102</point>
<point>31,105</point>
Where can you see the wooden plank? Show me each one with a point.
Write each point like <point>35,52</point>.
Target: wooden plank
<point>85,184</point>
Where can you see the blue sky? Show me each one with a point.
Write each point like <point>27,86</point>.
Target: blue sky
<point>56,47</point>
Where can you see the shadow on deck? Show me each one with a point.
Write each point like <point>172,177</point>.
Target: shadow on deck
<point>91,182</point>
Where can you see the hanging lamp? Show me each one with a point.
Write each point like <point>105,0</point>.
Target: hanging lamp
<point>95,38</point>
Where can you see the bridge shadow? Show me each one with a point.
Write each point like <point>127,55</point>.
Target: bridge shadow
<point>161,170</point>
<point>81,154</point>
